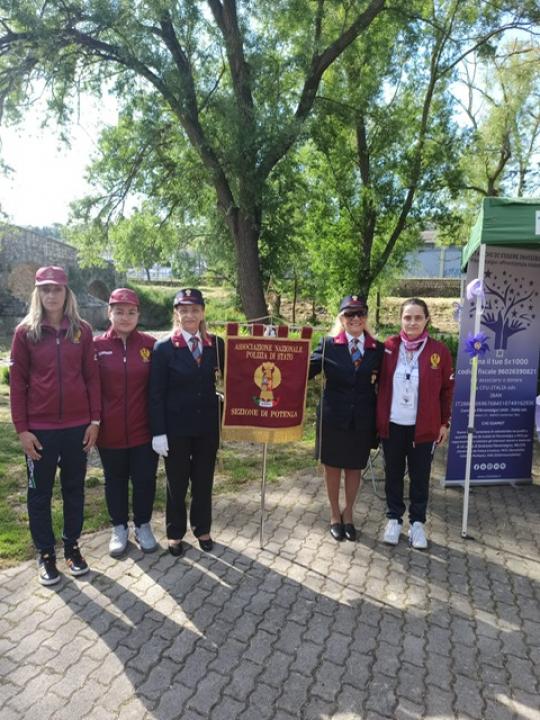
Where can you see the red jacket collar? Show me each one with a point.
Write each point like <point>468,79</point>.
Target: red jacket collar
<point>369,342</point>
<point>178,340</point>
<point>111,334</point>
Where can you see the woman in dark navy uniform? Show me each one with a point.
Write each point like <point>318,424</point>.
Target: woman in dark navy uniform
<point>350,359</point>
<point>184,417</point>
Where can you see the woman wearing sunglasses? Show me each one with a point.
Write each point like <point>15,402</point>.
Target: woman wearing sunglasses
<point>350,360</point>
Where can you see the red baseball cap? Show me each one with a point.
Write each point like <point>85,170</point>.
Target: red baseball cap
<point>51,275</point>
<point>124,295</point>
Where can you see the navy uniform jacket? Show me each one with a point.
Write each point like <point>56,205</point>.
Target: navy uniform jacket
<point>349,398</point>
<point>183,400</point>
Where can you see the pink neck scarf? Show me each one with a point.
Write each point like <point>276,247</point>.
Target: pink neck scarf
<point>412,345</point>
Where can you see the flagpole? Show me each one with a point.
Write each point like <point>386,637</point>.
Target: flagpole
<point>263,493</point>
<point>472,398</point>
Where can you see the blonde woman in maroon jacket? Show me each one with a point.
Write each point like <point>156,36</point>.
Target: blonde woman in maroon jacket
<point>124,355</point>
<point>413,413</point>
<point>55,406</point>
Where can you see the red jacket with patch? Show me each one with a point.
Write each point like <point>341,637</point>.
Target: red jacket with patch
<point>434,391</point>
<point>54,383</point>
<point>124,372</point>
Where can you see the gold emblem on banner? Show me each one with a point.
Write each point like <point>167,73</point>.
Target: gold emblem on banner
<point>267,377</point>
<point>435,360</point>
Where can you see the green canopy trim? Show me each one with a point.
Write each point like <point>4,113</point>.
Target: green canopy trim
<point>504,221</point>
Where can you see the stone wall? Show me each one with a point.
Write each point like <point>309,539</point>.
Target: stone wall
<point>22,252</point>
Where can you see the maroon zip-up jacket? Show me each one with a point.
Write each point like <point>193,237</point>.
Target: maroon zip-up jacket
<point>124,372</point>
<point>54,383</point>
<point>434,390</point>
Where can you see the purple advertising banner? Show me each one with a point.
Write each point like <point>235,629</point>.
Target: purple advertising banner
<point>507,373</point>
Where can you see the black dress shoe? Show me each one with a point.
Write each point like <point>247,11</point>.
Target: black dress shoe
<point>176,549</point>
<point>206,545</point>
<point>336,531</point>
<point>350,532</point>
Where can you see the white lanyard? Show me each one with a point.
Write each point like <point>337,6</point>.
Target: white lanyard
<point>410,365</point>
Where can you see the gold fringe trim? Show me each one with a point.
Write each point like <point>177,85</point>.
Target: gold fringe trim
<point>262,435</point>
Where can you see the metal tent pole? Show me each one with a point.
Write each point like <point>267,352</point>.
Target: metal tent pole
<point>472,399</point>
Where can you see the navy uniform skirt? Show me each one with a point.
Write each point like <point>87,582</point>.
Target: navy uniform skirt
<point>347,449</point>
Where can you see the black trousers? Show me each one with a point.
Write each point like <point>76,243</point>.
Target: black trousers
<point>139,464</point>
<point>399,448</point>
<point>61,449</point>
<point>191,461</point>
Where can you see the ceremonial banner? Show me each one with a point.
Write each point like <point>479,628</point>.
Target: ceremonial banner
<point>265,385</point>
<point>507,372</point>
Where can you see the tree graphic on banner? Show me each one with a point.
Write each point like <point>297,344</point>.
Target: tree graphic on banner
<point>509,305</point>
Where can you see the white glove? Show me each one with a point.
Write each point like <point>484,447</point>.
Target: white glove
<point>160,445</point>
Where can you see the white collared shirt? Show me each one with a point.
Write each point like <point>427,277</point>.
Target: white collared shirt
<point>187,337</point>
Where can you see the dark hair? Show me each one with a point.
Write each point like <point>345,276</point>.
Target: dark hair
<point>414,301</point>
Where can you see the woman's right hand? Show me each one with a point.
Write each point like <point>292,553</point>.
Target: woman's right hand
<point>30,445</point>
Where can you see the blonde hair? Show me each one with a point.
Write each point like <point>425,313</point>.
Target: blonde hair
<point>203,329</point>
<point>337,327</point>
<point>35,316</point>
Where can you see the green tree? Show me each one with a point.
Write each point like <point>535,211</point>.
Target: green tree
<point>237,81</point>
<point>502,104</point>
<point>385,158</point>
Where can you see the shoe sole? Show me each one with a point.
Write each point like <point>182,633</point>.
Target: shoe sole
<point>147,549</point>
<point>391,542</point>
<point>118,553</point>
<point>48,583</point>
<point>78,573</point>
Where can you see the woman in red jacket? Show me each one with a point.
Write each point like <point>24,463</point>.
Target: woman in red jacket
<point>413,413</point>
<point>124,355</point>
<point>55,406</point>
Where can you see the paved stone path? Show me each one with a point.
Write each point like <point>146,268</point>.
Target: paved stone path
<point>306,628</point>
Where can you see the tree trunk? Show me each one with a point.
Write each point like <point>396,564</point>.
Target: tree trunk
<point>245,232</point>
<point>147,271</point>
<point>295,297</point>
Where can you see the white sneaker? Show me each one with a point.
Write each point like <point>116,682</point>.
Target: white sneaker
<point>392,532</point>
<point>417,536</point>
<point>145,538</point>
<point>118,541</point>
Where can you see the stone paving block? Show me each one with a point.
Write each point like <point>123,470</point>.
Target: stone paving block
<point>381,695</point>
<point>208,692</point>
<point>316,709</point>
<point>407,710</point>
<point>226,709</point>
<point>261,701</point>
<point>294,692</point>
<point>439,703</point>
<point>172,704</point>
<point>243,680</point>
<point>468,700</point>
<point>195,667</point>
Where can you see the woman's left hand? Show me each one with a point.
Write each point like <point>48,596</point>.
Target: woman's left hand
<point>90,437</point>
<point>443,434</point>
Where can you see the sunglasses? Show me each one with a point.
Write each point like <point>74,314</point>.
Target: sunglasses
<point>356,313</point>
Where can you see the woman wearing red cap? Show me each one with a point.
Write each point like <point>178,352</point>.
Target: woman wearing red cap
<point>413,412</point>
<point>55,406</point>
<point>350,359</point>
<point>184,417</point>
<point>124,442</point>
